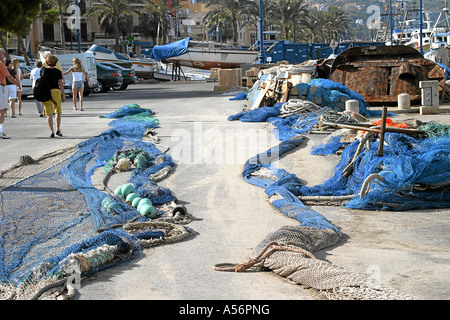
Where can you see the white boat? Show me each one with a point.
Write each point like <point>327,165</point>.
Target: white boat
<point>440,49</point>
<point>404,34</point>
<point>204,55</point>
<point>210,55</point>
<point>143,67</point>
<point>430,34</point>
<point>427,34</point>
<point>166,72</point>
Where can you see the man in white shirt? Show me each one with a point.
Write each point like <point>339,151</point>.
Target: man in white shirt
<point>34,75</point>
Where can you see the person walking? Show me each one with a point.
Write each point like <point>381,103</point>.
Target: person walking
<point>54,78</point>
<point>77,81</point>
<point>34,75</point>
<point>12,87</point>
<point>4,74</point>
<point>16,67</point>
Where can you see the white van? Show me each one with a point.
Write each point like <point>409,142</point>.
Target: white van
<point>88,62</point>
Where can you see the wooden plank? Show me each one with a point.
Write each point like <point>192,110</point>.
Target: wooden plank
<point>383,130</point>
<point>257,97</point>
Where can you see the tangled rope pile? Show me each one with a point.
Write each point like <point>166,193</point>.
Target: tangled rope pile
<point>297,106</point>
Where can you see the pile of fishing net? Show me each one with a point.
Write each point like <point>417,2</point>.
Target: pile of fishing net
<point>57,227</point>
<point>412,173</point>
<point>332,95</point>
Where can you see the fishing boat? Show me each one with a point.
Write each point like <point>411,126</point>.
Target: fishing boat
<point>427,37</point>
<point>431,35</point>
<point>440,49</point>
<point>404,34</point>
<point>143,67</point>
<point>203,55</point>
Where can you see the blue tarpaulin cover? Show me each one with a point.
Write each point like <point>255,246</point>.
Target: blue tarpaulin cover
<point>170,50</point>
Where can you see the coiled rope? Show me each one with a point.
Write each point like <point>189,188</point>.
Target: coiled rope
<point>275,246</point>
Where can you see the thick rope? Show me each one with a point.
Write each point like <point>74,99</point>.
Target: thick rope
<point>285,246</point>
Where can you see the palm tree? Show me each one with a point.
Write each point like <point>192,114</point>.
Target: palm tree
<point>236,11</point>
<point>339,20</point>
<point>313,25</point>
<point>217,20</point>
<point>147,23</point>
<point>61,6</point>
<point>269,6</point>
<point>325,26</point>
<point>125,26</point>
<point>110,10</point>
<point>159,9</point>
<point>288,13</point>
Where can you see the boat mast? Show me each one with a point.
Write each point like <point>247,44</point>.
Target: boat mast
<point>261,57</point>
<point>421,26</point>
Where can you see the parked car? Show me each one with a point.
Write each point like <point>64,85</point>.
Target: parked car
<point>26,82</point>
<point>129,75</point>
<point>107,77</point>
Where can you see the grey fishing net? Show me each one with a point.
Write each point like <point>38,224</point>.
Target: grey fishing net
<point>334,282</point>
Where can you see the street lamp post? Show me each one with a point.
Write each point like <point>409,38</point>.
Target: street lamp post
<point>391,21</point>
<point>78,25</point>
<point>261,57</point>
<point>421,26</point>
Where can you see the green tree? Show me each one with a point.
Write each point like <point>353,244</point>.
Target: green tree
<point>61,6</point>
<point>111,10</point>
<point>160,9</point>
<point>237,12</point>
<point>125,26</point>
<point>16,17</point>
<point>217,22</point>
<point>147,25</point>
<point>325,26</point>
<point>287,14</point>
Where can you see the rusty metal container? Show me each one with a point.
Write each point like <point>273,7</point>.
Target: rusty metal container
<point>380,73</point>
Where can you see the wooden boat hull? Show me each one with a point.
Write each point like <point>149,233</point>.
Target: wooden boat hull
<point>380,74</point>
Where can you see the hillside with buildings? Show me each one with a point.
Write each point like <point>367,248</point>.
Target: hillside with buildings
<point>355,5</point>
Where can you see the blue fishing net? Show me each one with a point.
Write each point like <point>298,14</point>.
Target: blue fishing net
<point>413,173</point>
<point>54,213</point>
<point>331,147</point>
<point>286,128</point>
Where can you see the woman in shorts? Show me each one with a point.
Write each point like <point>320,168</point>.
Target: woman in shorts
<point>16,67</point>
<point>12,88</point>
<point>77,82</point>
<point>53,106</point>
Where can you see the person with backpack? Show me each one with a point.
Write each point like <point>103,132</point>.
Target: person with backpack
<point>77,81</point>
<point>4,74</point>
<point>54,78</point>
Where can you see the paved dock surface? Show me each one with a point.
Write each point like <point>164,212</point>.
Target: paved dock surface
<point>409,249</point>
